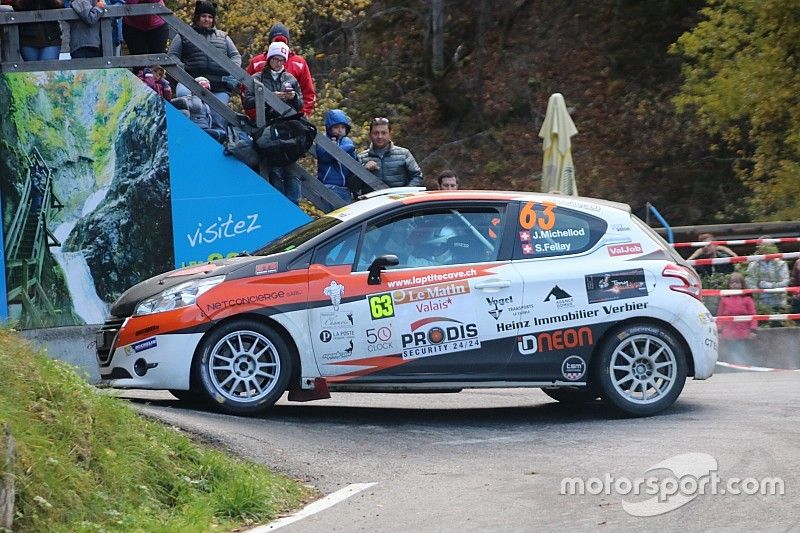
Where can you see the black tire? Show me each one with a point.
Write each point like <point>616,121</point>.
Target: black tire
<point>251,363</point>
<point>641,369</point>
<point>573,395</point>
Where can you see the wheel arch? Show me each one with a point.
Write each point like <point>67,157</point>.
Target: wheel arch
<point>601,342</point>
<point>267,321</point>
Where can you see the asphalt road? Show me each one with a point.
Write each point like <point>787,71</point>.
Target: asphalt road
<point>495,459</point>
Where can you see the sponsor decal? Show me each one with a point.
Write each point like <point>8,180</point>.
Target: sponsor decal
<point>573,368</point>
<point>248,300</point>
<point>496,311</point>
<point>624,249</point>
<point>710,343</point>
<point>381,306</point>
<point>327,335</point>
<point>144,345</point>
<point>562,298</point>
<point>520,310</point>
<point>625,308</point>
<point>618,285</point>
<point>433,277</point>
<point>334,291</point>
<point>339,354</point>
<point>431,292</point>
<point>510,326</point>
<point>560,339</point>
<point>148,329</point>
<point>437,335</point>
<point>579,205</point>
<point>558,233</point>
<point>567,317</point>
<point>379,339</point>
<point>266,268</point>
<point>620,227</point>
<point>335,320</point>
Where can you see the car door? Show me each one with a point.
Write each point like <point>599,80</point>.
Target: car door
<point>437,314</point>
<point>550,250</point>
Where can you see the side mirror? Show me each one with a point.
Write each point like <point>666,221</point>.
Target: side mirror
<point>380,263</point>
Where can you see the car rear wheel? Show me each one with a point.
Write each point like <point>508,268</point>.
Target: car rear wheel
<point>642,369</point>
<point>244,367</point>
<point>573,395</point>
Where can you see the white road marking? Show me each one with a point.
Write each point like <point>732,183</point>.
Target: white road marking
<point>320,505</point>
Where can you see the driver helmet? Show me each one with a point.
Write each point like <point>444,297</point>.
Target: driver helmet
<point>438,243</point>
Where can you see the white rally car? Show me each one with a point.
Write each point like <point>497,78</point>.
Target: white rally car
<point>408,290</point>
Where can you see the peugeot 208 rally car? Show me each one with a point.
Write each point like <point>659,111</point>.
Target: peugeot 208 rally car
<point>408,290</point>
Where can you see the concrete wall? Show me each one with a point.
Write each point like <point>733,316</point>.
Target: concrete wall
<point>72,344</point>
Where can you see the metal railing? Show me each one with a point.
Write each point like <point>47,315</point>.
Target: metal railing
<point>11,61</point>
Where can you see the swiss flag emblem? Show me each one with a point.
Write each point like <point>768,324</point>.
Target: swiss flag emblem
<point>525,236</point>
<point>527,249</point>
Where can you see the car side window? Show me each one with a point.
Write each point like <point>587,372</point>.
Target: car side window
<point>436,237</point>
<point>547,230</point>
<point>339,251</point>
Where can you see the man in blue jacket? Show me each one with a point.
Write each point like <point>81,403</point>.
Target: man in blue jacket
<point>394,165</point>
<point>329,170</point>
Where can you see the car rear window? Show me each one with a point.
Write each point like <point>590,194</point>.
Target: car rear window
<point>547,230</point>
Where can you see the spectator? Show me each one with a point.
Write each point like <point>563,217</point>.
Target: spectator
<point>394,165</point>
<point>39,41</point>
<point>795,282</point>
<point>737,305</point>
<point>116,27</point>
<point>329,170</point>
<point>296,65</point>
<point>447,180</point>
<point>197,63</point>
<point>285,87</point>
<point>768,274</point>
<point>198,112</point>
<point>145,34</point>
<point>163,87</point>
<point>712,251</point>
<point>84,34</point>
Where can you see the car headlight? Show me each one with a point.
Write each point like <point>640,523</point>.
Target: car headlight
<point>178,296</point>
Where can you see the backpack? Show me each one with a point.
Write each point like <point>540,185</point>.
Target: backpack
<point>284,140</point>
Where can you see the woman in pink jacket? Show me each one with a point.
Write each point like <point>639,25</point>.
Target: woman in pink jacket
<point>736,306</point>
<point>145,34</point>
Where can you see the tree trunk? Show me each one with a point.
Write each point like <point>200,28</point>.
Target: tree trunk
<point>437,37</point>
<point>7,491</point>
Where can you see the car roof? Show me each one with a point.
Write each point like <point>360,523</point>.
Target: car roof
<point>379,200</point>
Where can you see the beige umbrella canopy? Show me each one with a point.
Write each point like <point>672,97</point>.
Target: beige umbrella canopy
<point>558,171</point>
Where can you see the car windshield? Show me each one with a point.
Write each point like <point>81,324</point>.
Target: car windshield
<point>298,236</point>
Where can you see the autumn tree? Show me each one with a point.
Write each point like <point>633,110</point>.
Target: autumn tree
<point>741,81</point>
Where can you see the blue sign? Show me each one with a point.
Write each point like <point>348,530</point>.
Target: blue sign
<point>220,207</point>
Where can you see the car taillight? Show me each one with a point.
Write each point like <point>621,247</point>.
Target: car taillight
<point>691,284</point>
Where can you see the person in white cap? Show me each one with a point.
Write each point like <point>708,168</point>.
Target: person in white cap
<point>284,86</point>
<point>198,111</point>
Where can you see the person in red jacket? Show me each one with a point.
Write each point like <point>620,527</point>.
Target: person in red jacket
<point>296,66</point>
<point>736,306</point>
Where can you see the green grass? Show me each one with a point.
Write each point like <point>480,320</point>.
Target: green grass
<point>87,462</point>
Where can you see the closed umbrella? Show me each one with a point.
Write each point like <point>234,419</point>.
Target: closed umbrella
<point>558,171</point>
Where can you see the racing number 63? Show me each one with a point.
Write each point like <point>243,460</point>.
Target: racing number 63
<point>381,306</point>
<point>528,217</point>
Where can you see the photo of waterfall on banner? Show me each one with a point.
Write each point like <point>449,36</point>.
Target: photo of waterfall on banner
<point>87,189</point>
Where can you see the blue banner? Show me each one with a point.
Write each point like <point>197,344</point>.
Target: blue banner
<point>220,207</point>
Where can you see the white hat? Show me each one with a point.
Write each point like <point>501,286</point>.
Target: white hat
<point>278,49</point>
<point>203,81</point>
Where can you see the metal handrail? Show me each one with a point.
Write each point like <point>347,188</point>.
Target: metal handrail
<point>18,224</point>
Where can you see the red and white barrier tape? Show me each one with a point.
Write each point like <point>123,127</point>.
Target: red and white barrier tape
<point>758,318</point>
<point>702,244</point>
<point>756,368</point>
<point>742,259</point>
<point>741,292</point>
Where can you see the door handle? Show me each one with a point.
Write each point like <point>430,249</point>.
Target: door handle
<point>493,284</point>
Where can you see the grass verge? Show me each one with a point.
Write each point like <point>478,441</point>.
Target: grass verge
<point>88,462</point>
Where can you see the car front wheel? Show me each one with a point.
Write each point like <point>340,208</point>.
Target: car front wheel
<point>642,369</point>
<point>244,367</point>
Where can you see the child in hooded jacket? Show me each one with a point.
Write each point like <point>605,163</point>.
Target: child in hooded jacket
<point>737,305</point>
<point>329,170</point>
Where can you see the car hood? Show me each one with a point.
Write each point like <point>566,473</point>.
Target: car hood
<point>126,304</point>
